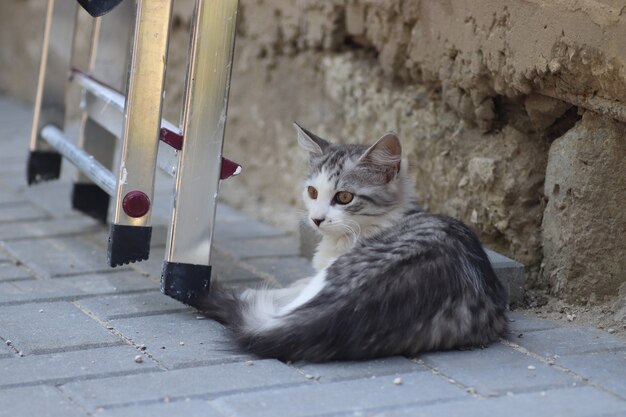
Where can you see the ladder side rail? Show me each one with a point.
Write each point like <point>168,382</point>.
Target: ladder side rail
<point>44,163</point>
<point>186,269</point>
<point>130,233</point>
<point>108,62</point>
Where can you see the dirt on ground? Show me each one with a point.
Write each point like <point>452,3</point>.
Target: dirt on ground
<point>609,316</point>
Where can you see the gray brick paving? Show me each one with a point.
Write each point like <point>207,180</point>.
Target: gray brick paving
<point>79,325</point>
<point>11,197</point>
<point>33,290</point>
<point>511,274</point>
<point>607,369</point>
<point>73,287</point>
<point>575,402</point>
<point>205,381</point>
<point>260,247</point>
<point>47,327</point>
<point>52,197</point>
<point>568,341</point>
<point>284,270</point>
<point>128,305</point>
<point>489,371</point>
<point>37,401</point>
<point>520,323</point>
<point>340,371</point>
<point>21,212</point>
<point>186,408</point>
<point>59,256</point>
<point>48,228</point>
<point>228,270</point>
<point>55,368</point>
<point>250,229</point>
<point>5,352</point>
<point>113,281</point>
<point>203,341</point>
<point>339,397</point>
<point>9,271</point>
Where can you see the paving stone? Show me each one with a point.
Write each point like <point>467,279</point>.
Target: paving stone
<point>228,270</point>
<point>255,248</point>
<point>206,381</point>
<point>607,369</point>
<point>48,228</point>
<point>116,281</point>
<point>574,402</point>
<point>522,323</point>
<point>9,271</point>
<point>511,273</point>
<point>227,214</point>
<point>20,212</point>
<point>51,327</point>
<point>5,352</point>
<point>569,341</point>
<point>285,270</point>
<point>32,290</point>
<point>151,267</point>
<point>204,341</point>
<point>186,408</point>
<point>340,397</point>
<point>54,197</point>
<point>64,366</point>
<point>37,401</point>
<point>4,257</point>
<point>129,305</point>
<point>250,229</point>
<point>11,197</point>
<point>72,287</point>
<point>340,371</point>
<point>497,369</point>
<point>60,256</point>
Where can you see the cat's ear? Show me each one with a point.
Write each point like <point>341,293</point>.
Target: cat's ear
<point>385,155</point>
<point>310,142</point>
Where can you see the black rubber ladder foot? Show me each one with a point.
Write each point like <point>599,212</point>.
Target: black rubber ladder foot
<point>185,282</point>
<point>43,166</point>
<point>97,8</point>
<point>128,244</point>
<point>91,200</point>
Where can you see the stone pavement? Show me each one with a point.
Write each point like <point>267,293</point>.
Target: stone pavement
<point>81,339</point>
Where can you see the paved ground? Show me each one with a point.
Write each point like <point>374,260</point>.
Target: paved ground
<point>71,330</point>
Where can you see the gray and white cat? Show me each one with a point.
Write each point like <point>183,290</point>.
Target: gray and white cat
<point>391,280</point>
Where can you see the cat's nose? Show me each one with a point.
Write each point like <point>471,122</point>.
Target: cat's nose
<point>317,221</point>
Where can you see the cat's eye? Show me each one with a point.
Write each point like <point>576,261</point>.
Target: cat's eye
<point>312,192</point>
<point>343,197</point>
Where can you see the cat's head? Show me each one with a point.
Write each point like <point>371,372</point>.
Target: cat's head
<point>353,189</point>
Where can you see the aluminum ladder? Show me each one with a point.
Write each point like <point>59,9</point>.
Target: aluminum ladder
<point>128,53</point>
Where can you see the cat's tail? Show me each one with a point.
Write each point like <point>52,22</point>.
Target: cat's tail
<point>260,325</point>
<point>222,305</point>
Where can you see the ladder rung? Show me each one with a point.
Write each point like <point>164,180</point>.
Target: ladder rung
<point>105,106</point>
<point>105,99</point>
<point>85,162</point>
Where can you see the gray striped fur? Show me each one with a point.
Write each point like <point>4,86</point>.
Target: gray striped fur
<point>392,280</point>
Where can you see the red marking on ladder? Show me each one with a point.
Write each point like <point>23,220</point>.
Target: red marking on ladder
<point>175,140</point>
<point>229,169</point>
<point>136,204</point>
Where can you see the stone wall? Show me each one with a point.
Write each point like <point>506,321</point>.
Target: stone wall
<point>498,103</point>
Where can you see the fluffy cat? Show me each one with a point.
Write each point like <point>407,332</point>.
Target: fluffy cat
<point>391,280</point>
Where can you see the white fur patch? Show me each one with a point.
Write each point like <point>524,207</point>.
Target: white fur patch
<point>307,294</point>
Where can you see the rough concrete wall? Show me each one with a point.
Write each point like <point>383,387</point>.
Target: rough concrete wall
<point>478,95</point>
<point>584,226</point>
<point>485,95</point>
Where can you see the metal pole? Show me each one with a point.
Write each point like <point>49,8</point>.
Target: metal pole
<point>93,169</point>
